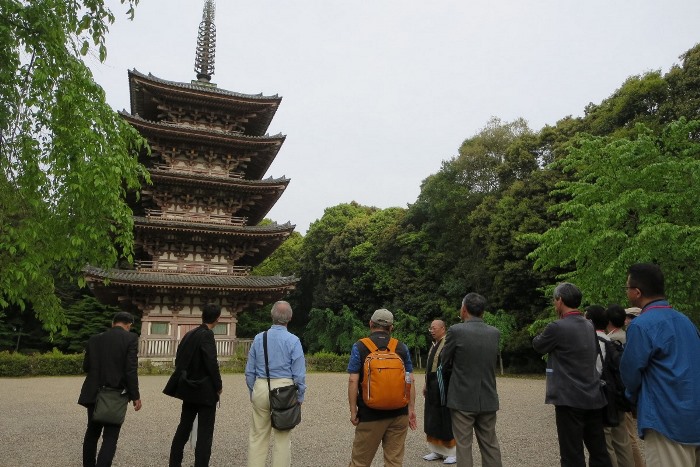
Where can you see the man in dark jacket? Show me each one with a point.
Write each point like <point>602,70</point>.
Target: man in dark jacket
<point>471,353</point>
<point>573,382</point>
<point>111,360</point>
<point>199,388</point>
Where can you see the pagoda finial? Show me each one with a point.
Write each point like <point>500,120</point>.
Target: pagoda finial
<point>206,44</point>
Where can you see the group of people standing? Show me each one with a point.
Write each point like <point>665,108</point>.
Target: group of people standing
<point>111,361</point>
<point>660,368</point>
<point>460,393</point>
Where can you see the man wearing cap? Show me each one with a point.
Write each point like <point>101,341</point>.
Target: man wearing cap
<point>471,353</point>
<point>661,372</point>
<point>373,426</point>
<point>631,313</point>
<point>111,360</point>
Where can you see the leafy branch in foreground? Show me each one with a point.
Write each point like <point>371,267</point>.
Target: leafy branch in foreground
<point>67,159</point>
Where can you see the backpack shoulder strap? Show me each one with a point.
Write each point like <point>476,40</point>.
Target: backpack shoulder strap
<point>371,346</point>
<point>393,342</point>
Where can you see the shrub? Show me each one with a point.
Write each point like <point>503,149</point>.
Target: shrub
<point>49,364</point>
<point>327,361</point>
<point>148,367</point>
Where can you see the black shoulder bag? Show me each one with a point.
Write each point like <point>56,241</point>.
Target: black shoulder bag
<point>285,409</point>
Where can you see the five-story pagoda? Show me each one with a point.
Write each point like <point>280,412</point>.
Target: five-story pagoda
<point>196,227</point>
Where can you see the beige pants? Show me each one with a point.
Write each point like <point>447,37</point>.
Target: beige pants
<point>662,452</point>
<point>390,432</point>
<point>635,442</point>
<point>617,440</point>
<point>261,428</point>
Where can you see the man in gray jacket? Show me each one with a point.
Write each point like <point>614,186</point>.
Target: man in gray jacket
<point>471,353</point>
<point>573,382</point>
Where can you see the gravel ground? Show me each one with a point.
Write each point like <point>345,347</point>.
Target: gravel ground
<point>41,425</point>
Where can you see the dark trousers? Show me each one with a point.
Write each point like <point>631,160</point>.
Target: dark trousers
<point>110,436</point>
<point>576,427</point>
<point>205,434</point>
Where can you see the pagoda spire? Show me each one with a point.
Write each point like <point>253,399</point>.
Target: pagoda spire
<point>206,44</point>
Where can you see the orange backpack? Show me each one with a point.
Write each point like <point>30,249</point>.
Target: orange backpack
<point>384,385</point>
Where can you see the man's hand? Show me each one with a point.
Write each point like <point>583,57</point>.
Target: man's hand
<point>137,405</point>
<point>353,417</point>
<point>425,391</point>
<point>412,422</point>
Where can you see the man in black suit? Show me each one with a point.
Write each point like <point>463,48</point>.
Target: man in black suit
<point>199,389</point>
<point>573,382</point>
<point>471,353</point>
<point>111,360</point>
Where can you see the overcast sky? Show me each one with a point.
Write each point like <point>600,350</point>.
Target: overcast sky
<point>376,94</point>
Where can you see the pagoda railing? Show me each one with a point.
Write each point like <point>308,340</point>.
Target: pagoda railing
<point>196,217</point>
<point>219,172</point>
<point>191,267</point>
<point>166,347</point>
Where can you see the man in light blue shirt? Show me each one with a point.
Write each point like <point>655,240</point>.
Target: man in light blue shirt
<point>661,371</point>
<point>287,366</point>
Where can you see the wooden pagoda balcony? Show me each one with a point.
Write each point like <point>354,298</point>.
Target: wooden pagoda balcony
<point>191,267</point>
<point>196,217</point>
<point>166,347</point>
<point>216,172</point>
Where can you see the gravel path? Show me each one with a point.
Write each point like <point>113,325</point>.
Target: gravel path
<point>41,425</point>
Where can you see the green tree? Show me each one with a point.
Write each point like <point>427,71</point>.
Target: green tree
<point>506,324</point>
<point>629,201</point>
<point>66,157</point>
<point>283,261</point>
<point>331,332</point>
<point>683,88</point>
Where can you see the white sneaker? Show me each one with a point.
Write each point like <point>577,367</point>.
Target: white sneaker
<point>450,460</point>
<point>432,457</point>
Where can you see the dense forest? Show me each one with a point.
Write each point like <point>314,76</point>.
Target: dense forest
<point>516,211</point>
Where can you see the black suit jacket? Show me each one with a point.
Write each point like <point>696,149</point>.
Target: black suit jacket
<point>196,356</point>
<point>111,359</point>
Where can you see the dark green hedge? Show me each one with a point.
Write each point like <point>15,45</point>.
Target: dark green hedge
<point>326,361</point>
<point>47,364</point>
<point>55,363</point>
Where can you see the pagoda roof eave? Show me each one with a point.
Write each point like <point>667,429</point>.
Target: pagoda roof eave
<point>206,134</point>
<point>129,277</point>
<point>204,179</point>
<point>204,90</point>
<point>271,230</point>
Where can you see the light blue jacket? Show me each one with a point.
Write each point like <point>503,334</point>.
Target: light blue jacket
<point>285,357</point>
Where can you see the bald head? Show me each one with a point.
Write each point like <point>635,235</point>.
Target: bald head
<point>437,329</point>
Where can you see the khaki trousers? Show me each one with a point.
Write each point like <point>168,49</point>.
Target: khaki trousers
<point>391,432</point>
<point>635,442</point>
<point>261,428</point>
<point>464,425</point>
<point>662,452</point>
<point>617,441</point>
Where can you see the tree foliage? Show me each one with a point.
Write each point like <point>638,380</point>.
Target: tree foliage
<point>630,200</point>
<point>66,157</point>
